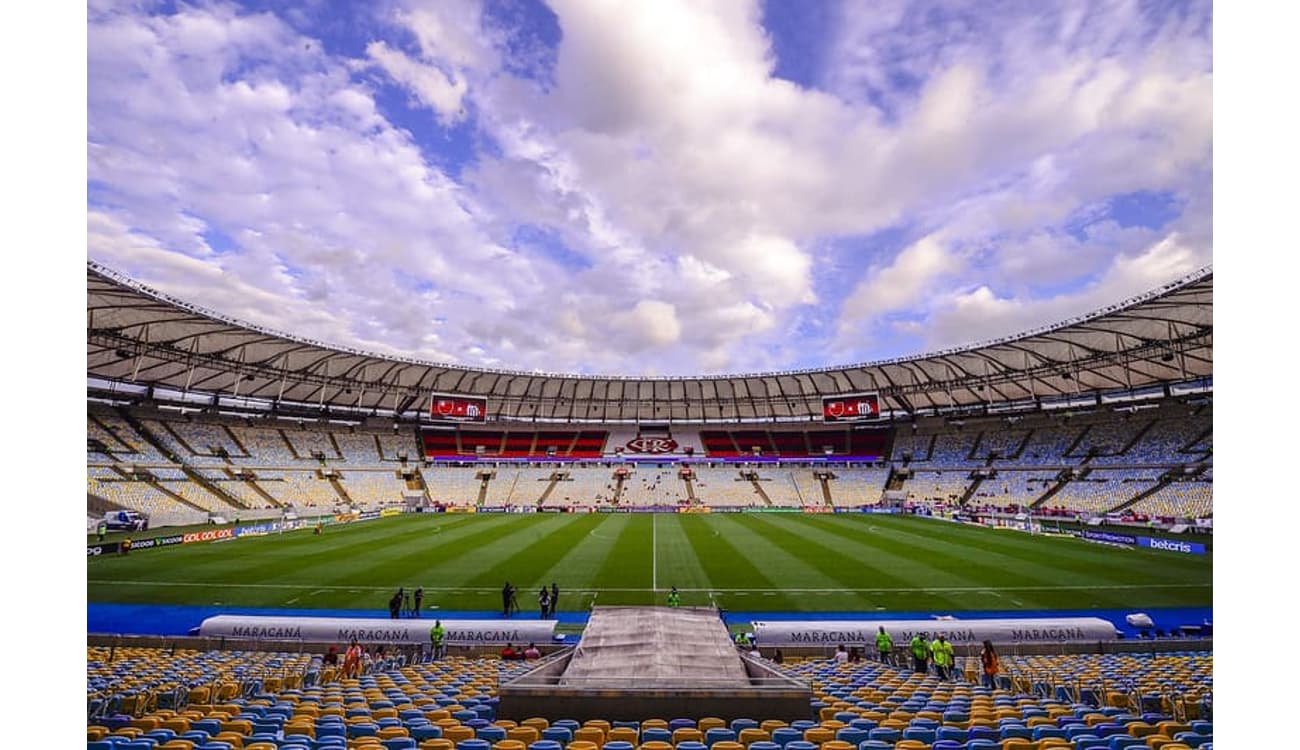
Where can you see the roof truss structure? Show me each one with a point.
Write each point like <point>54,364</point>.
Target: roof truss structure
<point>137,335</point>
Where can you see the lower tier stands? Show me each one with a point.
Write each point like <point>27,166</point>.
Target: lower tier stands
<point>283,701</point>
<point>1192,498</point>
<point>1103,490</point>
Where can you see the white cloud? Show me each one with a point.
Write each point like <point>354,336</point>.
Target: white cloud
<point>907,282</point>
<point>693,191</point>
<point>438,90</point>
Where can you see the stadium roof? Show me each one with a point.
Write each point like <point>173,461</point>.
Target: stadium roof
<point>137,335</point>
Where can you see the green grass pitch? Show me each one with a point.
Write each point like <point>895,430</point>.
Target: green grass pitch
<point>743,562</point>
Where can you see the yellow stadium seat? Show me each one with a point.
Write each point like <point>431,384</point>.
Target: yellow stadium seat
<point>753,734</point>
<point>530,734</point>
<point>653,745</point>
<point>1019,744</point>
<point>818,735</point>
<point>441,743</point>
<point>458,733</point>
<point>710,722</point>
<point>654,724</point>
<point>766,726</point>
<point>178,744</point>
<point>536,722</point>
<point>622,734</point>
<point>509,745</point>
<point>687,734</point>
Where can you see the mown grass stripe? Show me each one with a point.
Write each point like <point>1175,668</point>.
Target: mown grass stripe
<point>727,567</point>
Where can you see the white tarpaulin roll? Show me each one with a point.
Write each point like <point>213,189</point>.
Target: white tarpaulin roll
<point>863,632</point>
<point>377,630</point>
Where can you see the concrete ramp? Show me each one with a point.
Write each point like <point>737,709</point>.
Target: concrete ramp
<point>656,647</point>
<point>654,661</point>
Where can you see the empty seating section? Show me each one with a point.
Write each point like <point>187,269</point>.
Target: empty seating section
<point>299,489</point>
<point>854,487</point>
<point>205,439</point>
<point>1164,442</point>
<point>391,447</point>
<point>514,443</point>
<point>1013,488</point>
<point>790,443</point>
<point>937,486</point>
<point>952,449</point>
<point>647,486</point>
<point>452,485</point>
<point>529,484</point>
<point>175,480</point>
<point>1109,437</point>
<point>795,443</point>
<point>594,486</point>
<point>305,441</point>
<point>236,488</point>
<point>173,443</point>
<point>810,487</point>
<point>909,446</point>
<point>122,440</point>
<point>1047,446</point>
<point>501,485</point>
<point>267,445</point>
<point>129,493</point>
<point>1103,490</point>
<point>780,488</point>
<point>725,487</point>
<point>718,443</point>
<point>240,699</point>
<point>1190,498</point>
<point>1001,441</point>
<point>383,487</point>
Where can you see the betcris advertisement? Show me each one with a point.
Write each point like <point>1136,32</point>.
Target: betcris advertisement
<point>1172,545</point>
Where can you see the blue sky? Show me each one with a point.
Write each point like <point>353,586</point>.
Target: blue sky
<point>650,188</point>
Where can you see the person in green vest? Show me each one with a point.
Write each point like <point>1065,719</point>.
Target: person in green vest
<point>884,645</point>
<point>920,653</point>
<point>674,598</point>
<point>437,639</point>
<point>942,653</point>
<point>742,640</point>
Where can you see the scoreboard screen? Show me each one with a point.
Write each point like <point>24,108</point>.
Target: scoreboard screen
<point>851,408</point>
<point>458,408</point>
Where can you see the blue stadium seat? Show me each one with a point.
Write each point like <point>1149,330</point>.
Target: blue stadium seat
<point>564,735</point>
<point>923,734</point>
<point>491,733</point>
<point>852,735</point>
<point>546,745</point>
<point>951,733</point>
<point>785,735</point>
<point>398,743</point>
<point>717,734</point>
<point>679,723</point>
<point>739,724</point>
<point>652,734</point>
<point>984,733</point>
<point>875,745</point>
<point>623,745</point>
<point>885,734</point>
